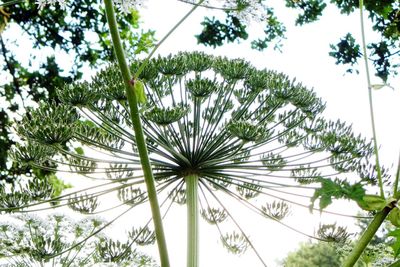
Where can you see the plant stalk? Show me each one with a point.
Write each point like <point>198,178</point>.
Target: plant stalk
<point>140,139</point>
<point>371,107</point>
<point>396,182</point>
<point>366,237</point>
<point>192,184</point>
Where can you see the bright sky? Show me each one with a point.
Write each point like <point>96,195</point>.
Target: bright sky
<point>305,56</point>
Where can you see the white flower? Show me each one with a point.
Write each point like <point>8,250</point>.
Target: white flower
<point>124,5</point>
<point>252,10</point>
<point>43,3</point>
<point>127,5</point>
<point>244,10</point>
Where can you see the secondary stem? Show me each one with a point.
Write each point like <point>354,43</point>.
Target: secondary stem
<point>396,182</point>
<point>366,237</point>
<point>140,139</point>
<point>192,183</point>
<point>371,107</point>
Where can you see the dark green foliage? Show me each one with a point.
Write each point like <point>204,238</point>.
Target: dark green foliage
<point>321,254</point>
<point>346,52</point>
<point>274,32</point>
<point>215,33</point>
<point>380,53</point>
<point>385,17</point>
<point>311,10</point>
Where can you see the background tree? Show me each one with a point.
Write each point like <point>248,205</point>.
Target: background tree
<point>384,15</point>
<point>320,254</point>
<point>77,29</point>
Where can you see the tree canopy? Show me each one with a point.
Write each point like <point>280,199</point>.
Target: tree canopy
<point>321,254</point>
<point>384,15</point>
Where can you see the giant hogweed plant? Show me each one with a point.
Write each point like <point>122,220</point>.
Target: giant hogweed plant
<point>207,127</point>
<point>214,127</point>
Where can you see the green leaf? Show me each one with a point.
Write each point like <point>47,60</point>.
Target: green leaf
<point>58,186</point>
<point>335,189</point>
<point>396,244</point>
<point>372,203</point>
<point>139,91</point>
<point>394,217</point>
<point>380,86</point>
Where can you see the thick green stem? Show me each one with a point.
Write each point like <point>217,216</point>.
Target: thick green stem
<point>366,237</point>
<point>140,139</point>
<point>192,183</point>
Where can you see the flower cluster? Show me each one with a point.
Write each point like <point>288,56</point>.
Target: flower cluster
<point>245,10</point>
<point>124,5</point>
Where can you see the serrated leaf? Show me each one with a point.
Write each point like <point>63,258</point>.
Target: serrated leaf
<point>335,189</point>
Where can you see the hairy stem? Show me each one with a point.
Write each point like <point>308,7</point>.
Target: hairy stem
<point>140,139</point>
<point>192,184</point>
<point>371,107</point>
<point>366,237</point>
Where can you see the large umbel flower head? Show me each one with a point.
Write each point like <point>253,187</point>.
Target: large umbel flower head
<point>241,131</point>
